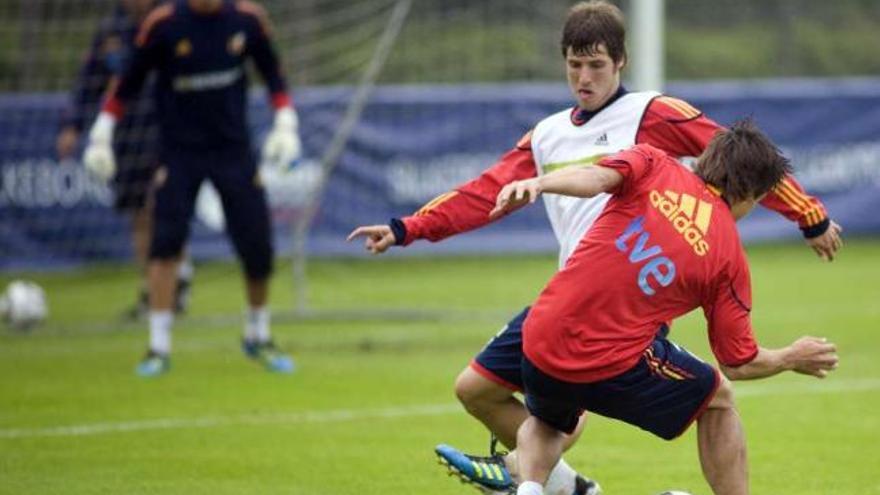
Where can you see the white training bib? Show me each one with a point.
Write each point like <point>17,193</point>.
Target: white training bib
<point>557,143</point>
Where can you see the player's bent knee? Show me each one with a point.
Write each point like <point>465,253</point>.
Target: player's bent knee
<point>723,398</point>
<point>475,391</point>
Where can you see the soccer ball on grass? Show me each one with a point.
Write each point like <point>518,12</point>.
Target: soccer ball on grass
<point>23,304</point>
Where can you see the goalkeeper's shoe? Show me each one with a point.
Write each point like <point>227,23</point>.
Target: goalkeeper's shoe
<point>273,358</point>
<point>488,474</point>
<point>153,364</point>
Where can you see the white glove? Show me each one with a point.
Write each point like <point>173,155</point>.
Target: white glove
<point>282,146</point>
<point>98,156</point>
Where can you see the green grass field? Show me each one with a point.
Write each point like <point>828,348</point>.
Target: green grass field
<point>373,396</point>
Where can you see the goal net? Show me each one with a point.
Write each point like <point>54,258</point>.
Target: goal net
<point>397,102</point>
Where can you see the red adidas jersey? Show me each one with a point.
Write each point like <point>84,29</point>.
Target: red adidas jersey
<point>664,244</point>
<point>669,124</point>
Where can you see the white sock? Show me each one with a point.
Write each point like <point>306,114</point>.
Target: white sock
<point>561,479</point>
<point>256,326</point>
<point>529,488</point>
<point>160,331</point>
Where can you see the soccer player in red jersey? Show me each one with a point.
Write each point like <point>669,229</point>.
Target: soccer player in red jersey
<point>605,119</point>
<point>664,244</point>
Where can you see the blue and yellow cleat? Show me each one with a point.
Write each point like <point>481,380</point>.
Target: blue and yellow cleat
<point>153,364</point>
<point>485,473</point>
<point>273,358</point>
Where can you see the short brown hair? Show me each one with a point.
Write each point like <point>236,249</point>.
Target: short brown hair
<point>742,162</point>
<point>594,23</point>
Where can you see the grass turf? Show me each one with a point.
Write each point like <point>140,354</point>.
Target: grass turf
<point>372,396</point>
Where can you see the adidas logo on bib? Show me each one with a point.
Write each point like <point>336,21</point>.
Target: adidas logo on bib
<point>602,140</point>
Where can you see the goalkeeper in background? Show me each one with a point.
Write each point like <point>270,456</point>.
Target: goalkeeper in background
<point>198,49</point>
<point>136,141</point>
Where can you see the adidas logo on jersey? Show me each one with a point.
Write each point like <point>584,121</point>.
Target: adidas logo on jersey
<point>602,140</point>
<point>689,217</point>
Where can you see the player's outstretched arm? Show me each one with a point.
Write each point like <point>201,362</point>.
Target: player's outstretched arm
<point>821,234</point>
<point>808,355</point>
<point>581,182</point>
<point>377,238</point>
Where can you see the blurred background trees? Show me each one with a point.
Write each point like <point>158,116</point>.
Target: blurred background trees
<point>453,41</point>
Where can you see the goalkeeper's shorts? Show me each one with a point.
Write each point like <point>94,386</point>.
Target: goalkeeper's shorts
<point>233,172</point>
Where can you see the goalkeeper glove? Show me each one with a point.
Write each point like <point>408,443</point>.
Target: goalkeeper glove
<point>282,145</point>
<point>98,156</point>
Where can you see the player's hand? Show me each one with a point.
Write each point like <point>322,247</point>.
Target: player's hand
<point>98,156</point>
<point>377,238</point>
<point>514,195</point>
<point>813,356</point>
<point>65,143</point>
<point>283,147</point>
<point>827,244</point>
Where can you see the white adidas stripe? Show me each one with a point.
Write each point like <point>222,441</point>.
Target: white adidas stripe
<point>743,390</point>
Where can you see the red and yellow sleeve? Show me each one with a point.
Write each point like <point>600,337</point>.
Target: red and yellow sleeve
<point>468,206</point>
<point>676,127</point>
<point>789,199</point>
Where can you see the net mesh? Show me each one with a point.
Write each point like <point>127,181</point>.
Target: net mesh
<point>447,58</point>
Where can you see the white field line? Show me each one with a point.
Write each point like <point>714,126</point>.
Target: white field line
<point>744,390</point>
<point>331,416</point>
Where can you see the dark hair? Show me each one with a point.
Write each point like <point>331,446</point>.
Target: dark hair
<point>742,162</point>
<point>594,23</point>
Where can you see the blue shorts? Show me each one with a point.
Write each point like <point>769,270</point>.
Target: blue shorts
<point>501,360</point>
<point>663,393</point>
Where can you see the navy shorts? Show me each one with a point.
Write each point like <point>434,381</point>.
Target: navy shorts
<point>501,360</point>
<point>663,393</point>
<point>233,172</point>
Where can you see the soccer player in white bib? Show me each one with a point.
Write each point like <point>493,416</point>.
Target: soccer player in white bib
<point>605,119</point>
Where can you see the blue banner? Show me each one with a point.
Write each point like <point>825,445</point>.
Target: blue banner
<point>413,143</point>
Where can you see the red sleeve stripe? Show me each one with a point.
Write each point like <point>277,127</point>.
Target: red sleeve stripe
<point>114,106</point>
<point>156,16</point>
<point>256,10</point>
<point>280,100</point>
<point>435,202</point>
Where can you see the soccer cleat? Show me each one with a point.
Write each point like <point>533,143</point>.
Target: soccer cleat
<point>273,358</point>
<point>586,486</point>
<point>488,474</point>
<point>153,364</point>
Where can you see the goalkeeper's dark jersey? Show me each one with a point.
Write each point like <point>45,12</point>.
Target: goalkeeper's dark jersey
<point>108,58</point>
<point>201,78</point>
